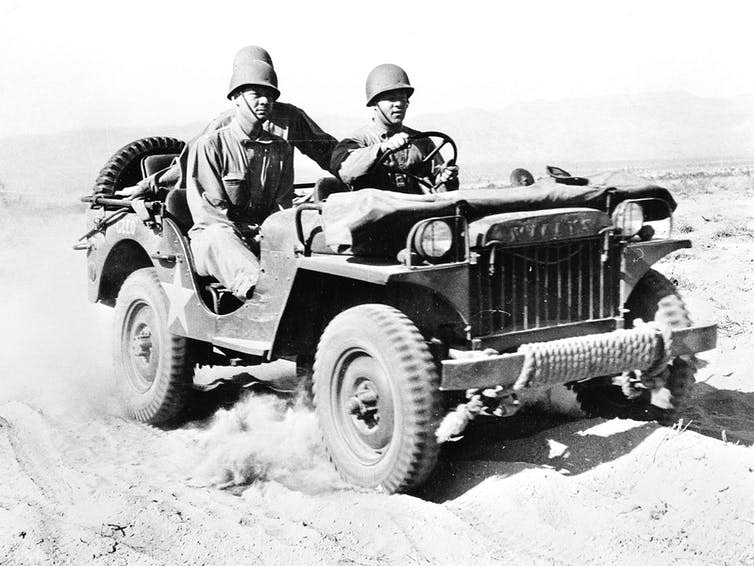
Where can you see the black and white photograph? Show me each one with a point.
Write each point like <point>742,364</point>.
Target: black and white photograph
<point>376,283</point>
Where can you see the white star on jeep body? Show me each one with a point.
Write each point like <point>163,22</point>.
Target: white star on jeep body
<point>179,297</point>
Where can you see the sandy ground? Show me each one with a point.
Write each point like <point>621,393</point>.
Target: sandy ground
<point>83,485</point>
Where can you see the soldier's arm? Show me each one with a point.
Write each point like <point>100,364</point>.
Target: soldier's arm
<point>205,176</point>
<point>311,140</point>
<point>167,177</point>
<point>351,159</point>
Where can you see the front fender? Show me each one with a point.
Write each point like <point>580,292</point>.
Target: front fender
<point>638,258</point>
<point>325,285</point>
<point>450,282</point>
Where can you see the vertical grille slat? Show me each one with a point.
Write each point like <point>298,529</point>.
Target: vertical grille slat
<point>590,285</point>
<point>581,275</point>
<point>545,285</point>
<point>509,284</point>
<point>525,275</point>
<point>487,303</point>
<point>537,304</point>
<point>558,274</point>
<point>569,289</point>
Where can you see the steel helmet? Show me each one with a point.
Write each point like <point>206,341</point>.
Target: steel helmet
<point>384,78</point>
<point>251,53</point>
<point>253,73</point>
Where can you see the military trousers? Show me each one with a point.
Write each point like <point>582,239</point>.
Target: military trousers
<point>220,251</point>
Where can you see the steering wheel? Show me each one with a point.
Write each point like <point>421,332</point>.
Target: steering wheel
<point>425,185</point>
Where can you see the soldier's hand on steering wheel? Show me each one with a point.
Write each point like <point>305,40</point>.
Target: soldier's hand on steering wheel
<point>427,160</point>
<point>394,143</point>
<point>446,173</point>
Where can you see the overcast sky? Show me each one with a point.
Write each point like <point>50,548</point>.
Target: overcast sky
<point>77,64</point>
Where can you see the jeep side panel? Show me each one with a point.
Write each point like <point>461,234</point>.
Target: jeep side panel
<point>248,330</point>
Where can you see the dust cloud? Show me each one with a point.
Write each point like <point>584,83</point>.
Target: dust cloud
<point>264,438</point>
<point>55,345</point>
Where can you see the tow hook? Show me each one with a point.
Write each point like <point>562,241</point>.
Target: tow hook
<point>494,402</point>
<point>498,402</point>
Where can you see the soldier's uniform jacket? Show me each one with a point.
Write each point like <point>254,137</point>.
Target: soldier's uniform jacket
<point>237,180</point>
<point>355,160</point>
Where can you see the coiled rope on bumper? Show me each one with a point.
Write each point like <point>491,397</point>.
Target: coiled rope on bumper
<point>645,348</point>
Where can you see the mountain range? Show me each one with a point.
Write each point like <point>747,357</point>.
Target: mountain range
<point>656,126</point>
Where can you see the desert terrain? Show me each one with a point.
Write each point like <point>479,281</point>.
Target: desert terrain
<point>249,483</point>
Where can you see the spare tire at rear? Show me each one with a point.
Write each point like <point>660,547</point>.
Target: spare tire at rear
<point>123,169</point>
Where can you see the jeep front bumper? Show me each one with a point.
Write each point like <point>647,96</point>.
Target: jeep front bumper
<point>571,359</point>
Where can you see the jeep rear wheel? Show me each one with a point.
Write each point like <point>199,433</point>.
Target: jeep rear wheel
<point>152,369</point>
<point>653,298</point>
<point>376,393</point>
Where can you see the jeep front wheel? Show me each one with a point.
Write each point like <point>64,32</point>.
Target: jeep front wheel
<point>654,298</point>
<point>377,398</point>
<point>152,369</point>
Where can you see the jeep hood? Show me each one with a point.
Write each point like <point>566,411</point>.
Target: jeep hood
<point>376,222</point>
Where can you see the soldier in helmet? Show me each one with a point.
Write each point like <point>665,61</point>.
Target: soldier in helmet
<point>356,159</point>
<point>236,176</point>
<point>286,121</point>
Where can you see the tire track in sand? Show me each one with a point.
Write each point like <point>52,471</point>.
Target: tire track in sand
<point>38,460</point>
<point>61,530</point>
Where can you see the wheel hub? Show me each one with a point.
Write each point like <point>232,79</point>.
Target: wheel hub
<point>366,414</point>
<point>141,344</point>
<point>364,404</point>
<point>141,347</point>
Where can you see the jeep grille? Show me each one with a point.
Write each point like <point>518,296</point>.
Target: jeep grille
<point>538,286</point>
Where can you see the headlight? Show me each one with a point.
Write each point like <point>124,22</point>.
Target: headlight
<point>628,218</point>
<point>434,239</point>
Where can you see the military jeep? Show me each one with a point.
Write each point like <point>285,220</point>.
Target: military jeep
<point>410,315</point>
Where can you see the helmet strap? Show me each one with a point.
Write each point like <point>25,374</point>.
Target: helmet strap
<point>250,117</point>
<point>386,121</point>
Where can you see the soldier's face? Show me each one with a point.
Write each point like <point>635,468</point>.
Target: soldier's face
<point>392,106</point>
<point>259,101</point>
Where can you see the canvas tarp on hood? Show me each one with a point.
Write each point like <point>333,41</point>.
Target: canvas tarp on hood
<point>377,222</point>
